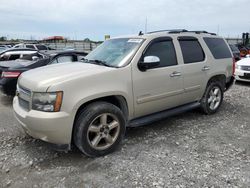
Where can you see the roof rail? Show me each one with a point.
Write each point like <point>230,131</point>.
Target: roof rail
<point>169,30</point>
<point>199,32</point>
<point>181,31</point>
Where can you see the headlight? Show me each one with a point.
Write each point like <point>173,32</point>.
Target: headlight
<point>238,67</point>
<point>47,102</point>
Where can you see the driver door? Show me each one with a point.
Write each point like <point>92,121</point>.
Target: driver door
<point>161,87</point>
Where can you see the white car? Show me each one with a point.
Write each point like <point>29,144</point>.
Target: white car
<point>242,71</point>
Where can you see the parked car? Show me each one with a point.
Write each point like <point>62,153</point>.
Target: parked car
<point>13,54</point>
<point>33,46</point>
<point>5,46</point>
<point>236,52</point>
<point>2,49</point>
<point>10,71</point>
<point>242,72</point>
<point>126,81</point>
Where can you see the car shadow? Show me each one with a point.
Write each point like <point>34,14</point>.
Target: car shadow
<point>242,83</point>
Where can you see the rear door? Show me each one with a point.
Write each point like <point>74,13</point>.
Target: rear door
<point>194,69</point>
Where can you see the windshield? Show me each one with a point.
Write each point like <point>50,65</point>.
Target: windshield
<point>115,52</point>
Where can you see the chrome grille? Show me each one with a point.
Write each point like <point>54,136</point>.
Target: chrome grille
<point>24,97</point>
<point>247,68</point>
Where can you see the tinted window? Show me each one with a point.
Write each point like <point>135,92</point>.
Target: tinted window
<point>218,48</point>
<point>41,47</point>
<point>165,51</point>
<point>234,48</point>
<point>30,46</point>
<point>191,51</point>
<point>14,57</point>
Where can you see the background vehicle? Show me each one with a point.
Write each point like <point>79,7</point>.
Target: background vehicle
<point>244,47</point>
<point>2,49</point>
<point>10,71</point>
<point>235,51</point>
<point>13,54</point>
<point>5,46</point>
<point>33,46</point>
<point>242,72</point>
<point>126,81</point>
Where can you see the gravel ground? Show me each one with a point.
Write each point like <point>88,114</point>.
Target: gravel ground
<point>188,150</point>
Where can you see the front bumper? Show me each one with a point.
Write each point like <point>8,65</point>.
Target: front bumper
<point>55,127</point>
<point>240,75</point>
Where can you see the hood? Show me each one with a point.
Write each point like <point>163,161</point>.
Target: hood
<point>15,63</point>
<point>41,79</point>
<point>244,62</point>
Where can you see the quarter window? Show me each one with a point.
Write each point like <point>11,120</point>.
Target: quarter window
<point>218,47</point>
<point>165,51</point>
<point>191,50</point>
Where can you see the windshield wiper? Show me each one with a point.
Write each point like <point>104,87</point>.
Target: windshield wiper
<point>98,62</point>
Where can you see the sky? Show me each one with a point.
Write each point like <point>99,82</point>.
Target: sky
<point>80,19</point>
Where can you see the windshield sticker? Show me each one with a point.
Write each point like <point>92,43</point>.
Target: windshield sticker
<point>135,40</point>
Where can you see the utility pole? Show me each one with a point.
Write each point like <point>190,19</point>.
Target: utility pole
<point>146,25</point>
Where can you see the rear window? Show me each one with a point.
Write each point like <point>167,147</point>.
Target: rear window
<point>191,50</point>
<point>218,48</point>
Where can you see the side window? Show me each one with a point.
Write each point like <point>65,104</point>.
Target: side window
<point>14,57</point>
<point>191,50</point>
<point>165,51</point>
<point>41,47</point>
<point>30,46</point>
<point>218,47</point>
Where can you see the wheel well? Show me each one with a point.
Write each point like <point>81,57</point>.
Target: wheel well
<point>221,78</point>
<point>116,100</point>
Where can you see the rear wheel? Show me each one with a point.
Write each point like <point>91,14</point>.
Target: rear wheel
<point>213,97</point>
<point>99,129</point>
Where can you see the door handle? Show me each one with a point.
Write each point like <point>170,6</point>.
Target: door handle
<point>175,73</point>
<point>205,68</point>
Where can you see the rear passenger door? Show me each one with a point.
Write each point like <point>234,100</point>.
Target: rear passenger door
<point>195,67</point>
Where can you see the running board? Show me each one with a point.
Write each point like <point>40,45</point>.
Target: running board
<point>161,115</point>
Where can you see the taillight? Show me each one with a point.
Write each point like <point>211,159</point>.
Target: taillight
<point>234,65</point>
<point>10,74</point>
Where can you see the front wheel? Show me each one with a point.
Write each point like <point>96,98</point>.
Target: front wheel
<point>213,97</point>
<point>99,129</point>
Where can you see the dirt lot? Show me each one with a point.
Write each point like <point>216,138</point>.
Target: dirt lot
<point>189,150</point>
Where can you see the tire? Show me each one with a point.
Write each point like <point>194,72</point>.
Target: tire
<point>210,97</point>
<point>99,129</point>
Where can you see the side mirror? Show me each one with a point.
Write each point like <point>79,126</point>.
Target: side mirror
<point>149,62</point>
<point>35,58</point>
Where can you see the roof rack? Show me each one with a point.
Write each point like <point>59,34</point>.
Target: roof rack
<point>172,31</point>
<point>199,32</point>
<point>169,30</point>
